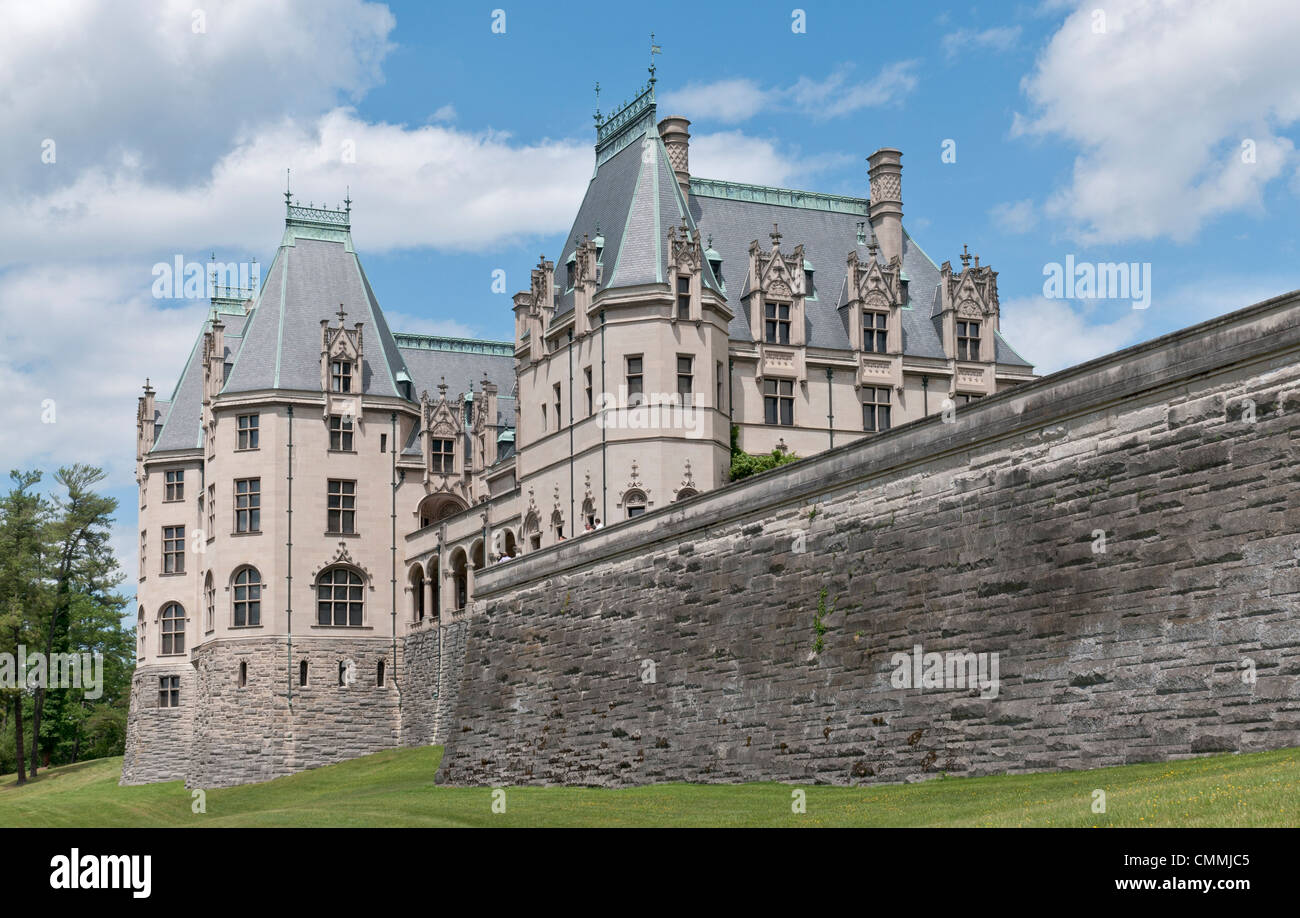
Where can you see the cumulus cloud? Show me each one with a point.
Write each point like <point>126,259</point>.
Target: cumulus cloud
<point>734,100</point>
<point>133,81</point>
<point>1015,216</point>
<point>999,38</point>
<point>1178,110</point>
<point>1055,334</point>
<point>739,157</point>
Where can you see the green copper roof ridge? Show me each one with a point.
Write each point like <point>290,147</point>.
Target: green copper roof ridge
<point>470,345</point>
<point>780,197</point>
<point>370,310</point>
<point>627,222</point>
<point>661,156</point>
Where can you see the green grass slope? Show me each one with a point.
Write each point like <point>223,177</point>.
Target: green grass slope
<point>396,788</point>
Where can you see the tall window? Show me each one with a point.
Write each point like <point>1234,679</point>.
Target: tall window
<point>686,378</point>
<point>591,401</point>
<point>683,297</point>
<point>968,341</point>
<point>169,691</point>
<point>174,484</point>
<point>248,505</point>
<point>635,380</point>
<point>209,602</point>
<point>341,506</point>
<point>302,672</point>
<point>341,375</point>
<point>718,398</point>
<point>443,456</point>
<point>634,503</point>
<point>558,414</point>
<point>875,331</point>
<point>778,401</point>
<point>212,511</point>
<point>338,598</point>
<point>248,598</point>
<point>340,433</point>
<point>777,327</point>
<point>875,408</point>
<point>247,430</point>
<point>144,551</point>
<point>173,549</point>
<point>172,629</point>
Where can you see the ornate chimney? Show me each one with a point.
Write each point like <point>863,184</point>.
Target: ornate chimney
<point>886,174</point>
<point>677,140</point>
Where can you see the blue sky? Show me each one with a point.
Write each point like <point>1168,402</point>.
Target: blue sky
<point>1119,140</point>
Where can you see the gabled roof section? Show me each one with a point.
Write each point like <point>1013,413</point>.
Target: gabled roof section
<point>315,273</point>
<point>182,419</point>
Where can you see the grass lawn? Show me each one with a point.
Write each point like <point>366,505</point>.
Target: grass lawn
<point>396,788</point>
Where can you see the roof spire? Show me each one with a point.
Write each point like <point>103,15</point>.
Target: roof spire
<point>287,200</point>
<point>347,202</point>
<point>654,49</point>
<point>597,115</point>
<point>775,235</point>
<point>342,315</point>
<point>965,256</point>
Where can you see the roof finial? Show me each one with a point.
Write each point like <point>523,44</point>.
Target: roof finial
<point>287,200</point>
<point>342,315</point>
<point>965,256</point>
<point>347,202</point>
<point>597,115</point>
<point>654,49</point>
<point>775,235</point>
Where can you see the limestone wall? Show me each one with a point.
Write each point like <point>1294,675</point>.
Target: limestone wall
<point>158,739</point>
<point>1122,535</point>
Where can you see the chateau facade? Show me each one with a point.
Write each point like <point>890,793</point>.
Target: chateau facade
<point>318,491</point>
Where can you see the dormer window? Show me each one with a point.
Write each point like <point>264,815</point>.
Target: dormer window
<point>810,290</point>
<point>968,341</point>
<point>570,271</point>
<point>875,332</point>
<point>341,375</point>
<point>777,325</point>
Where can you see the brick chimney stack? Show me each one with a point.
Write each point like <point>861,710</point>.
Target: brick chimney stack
<point>677,140</point>
<point>886,174</point>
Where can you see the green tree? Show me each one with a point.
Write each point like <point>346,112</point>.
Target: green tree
<point>744,464</point>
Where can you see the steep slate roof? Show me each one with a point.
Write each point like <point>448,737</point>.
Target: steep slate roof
<point>633,199</point>
<point>277,344</point>
<point>314,271</point>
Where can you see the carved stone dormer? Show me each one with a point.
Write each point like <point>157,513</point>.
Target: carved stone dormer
<point>685,280</point>
<point>969,309</point>
<point>776,288</point>
<point>146,431</point>
<point>533,310</point>
<point>443,436</point>
<point>341,363</point>
<point>873,318</point>
<point>484,427</point>
<point>584,286</point>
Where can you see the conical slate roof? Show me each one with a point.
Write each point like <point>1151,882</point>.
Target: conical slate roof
<point>315,273</point>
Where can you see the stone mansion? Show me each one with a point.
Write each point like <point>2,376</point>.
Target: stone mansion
<point>317,487</point>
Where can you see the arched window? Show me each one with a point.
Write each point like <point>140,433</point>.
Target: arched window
<point>532,531</point>
<point>139,629</point>
<point>686,493</point>
<point>588,514</point>
<point>634,503</point>
<point>436,582</point>
<point>248,598</point>
<point>339,598</point>
<point>437,507</point>
<point>243,673</point>
<point>172,626</point>
<point>302,672</point>
<point>209,601</point>
<point>417,593</point>
<point>460,574</point>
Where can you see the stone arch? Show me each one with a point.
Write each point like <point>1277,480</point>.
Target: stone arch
<point>634,502</point>
<point>532,531</point>
<point>246,587</point>
<point>340,596</point>
<point>415,581</point>
<point>459,569</point>
<point>437,507</point>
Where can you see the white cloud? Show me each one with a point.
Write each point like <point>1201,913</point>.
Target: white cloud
<point>445,113</point>
<point>739,157</point>
<point>132,81</point>
<point>425,186</point>
<point>1055,334</point>
<point>999,38</point>
<point>1015,216</point>
<point>1159,104</point>
<point>733,100</point>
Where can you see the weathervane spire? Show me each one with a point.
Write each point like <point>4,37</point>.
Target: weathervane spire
<point>654,49</point>
<point>597,115</point>
<point>287,200</point>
